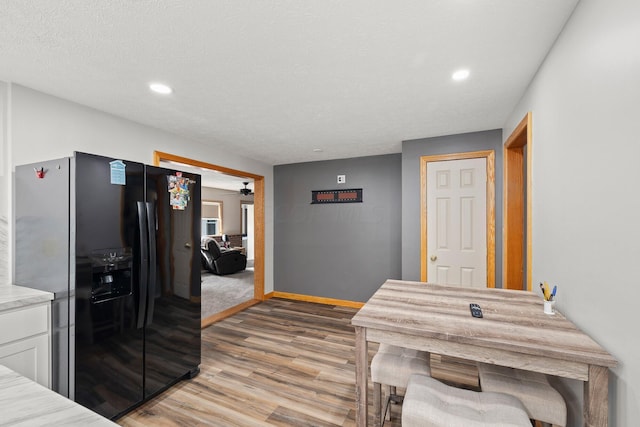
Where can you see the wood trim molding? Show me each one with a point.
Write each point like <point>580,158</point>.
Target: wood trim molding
<point>529,201</point>
<point>258,211</point>
<point>489,155</point>
<point>518,137</point>
<point>423,218</point>
<point>491,220</point>
<point>319,300</point>
<point>159,155</point>
<point>515,211</point>
<point>207,321</point>
<point>258,236</point>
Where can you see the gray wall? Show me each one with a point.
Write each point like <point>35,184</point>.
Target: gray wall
<point>343,251</point>
<point>411,153</point>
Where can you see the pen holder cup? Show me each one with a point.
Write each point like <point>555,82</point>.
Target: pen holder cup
<point>549,307</point>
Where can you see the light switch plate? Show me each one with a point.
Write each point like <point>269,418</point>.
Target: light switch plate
<point>342,179</point>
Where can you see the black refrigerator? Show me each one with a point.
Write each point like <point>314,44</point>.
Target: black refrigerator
<point>117,243</point>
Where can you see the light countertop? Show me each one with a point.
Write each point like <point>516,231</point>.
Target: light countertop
<point>26,403</point>
<point>12,296</point>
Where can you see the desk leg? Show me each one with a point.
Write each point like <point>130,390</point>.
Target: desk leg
<point>362,368</point>
<point>596,397</point>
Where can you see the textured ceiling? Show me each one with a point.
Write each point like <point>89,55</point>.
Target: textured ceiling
<point>275,79</point>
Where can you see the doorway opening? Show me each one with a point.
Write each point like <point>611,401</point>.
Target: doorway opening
<point>489,155</point>
<point>517,207</point>
<point>258,226</point>
<point>247,215</point>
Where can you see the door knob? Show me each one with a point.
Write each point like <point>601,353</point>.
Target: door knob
<point>187,245</point>
<point>433,258</point>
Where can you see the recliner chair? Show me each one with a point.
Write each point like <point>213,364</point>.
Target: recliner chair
<point>220,261</point>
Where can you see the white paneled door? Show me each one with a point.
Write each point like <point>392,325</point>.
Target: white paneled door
<point>456,222</point>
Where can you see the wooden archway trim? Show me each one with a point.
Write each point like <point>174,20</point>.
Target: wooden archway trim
<point>489,155</point>
<point>258,210</point>
<point>517,234</point>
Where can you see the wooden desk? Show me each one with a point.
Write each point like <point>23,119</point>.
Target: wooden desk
<point>513,332</point>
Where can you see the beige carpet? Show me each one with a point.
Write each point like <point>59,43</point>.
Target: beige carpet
<point>222,292</point>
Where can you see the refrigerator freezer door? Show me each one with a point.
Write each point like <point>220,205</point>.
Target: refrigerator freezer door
<point>42,251</point>
<point>172,332</point>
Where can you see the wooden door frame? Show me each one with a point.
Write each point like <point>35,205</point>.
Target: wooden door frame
<point>489,155</point>
<point>258,211</point>
<point>514,238</point>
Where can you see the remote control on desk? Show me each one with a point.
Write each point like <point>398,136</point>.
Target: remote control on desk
<point>475,310</point>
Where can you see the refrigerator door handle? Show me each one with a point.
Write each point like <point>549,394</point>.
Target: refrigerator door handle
<point>151,292</point>
<point>144,264</point>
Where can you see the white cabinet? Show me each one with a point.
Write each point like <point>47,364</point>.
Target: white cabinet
<point>25,340</point>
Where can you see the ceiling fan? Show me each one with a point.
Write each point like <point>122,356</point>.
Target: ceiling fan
<point>246,191</point>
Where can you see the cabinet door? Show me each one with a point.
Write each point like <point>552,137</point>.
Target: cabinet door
<point>25,342</point>
<point>28,357</point>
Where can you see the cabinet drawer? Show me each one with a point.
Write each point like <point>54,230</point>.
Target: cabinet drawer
<point>23,323</point>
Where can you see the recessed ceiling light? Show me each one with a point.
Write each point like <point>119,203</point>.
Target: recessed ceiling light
<point>160,88</point>
<point>317,150</point>
<point>461,74</point>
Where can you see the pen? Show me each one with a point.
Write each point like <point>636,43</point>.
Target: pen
<point>545,291</point>
<point>553,293</point>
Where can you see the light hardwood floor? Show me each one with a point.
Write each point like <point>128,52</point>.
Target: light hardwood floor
<point>278,363</point>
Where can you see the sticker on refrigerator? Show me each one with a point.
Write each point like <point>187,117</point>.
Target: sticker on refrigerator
<point>118,175</point>
<point>179,191</point>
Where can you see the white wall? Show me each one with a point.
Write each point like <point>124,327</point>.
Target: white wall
<point>44,127</point>
<point>585,101</point>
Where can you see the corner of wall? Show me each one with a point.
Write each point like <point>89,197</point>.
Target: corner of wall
<point>5,182</point>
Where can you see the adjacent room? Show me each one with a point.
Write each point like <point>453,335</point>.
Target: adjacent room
<point>227,245</point>
<point>319,213</point>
